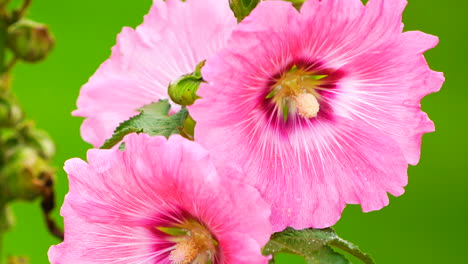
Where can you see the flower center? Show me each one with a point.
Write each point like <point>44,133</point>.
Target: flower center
<point>194,243</point>
<point>296,92</point>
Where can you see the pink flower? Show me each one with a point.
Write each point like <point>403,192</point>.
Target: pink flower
<point>159,201</point>
<point>172,40</point>
<point>321,107</point>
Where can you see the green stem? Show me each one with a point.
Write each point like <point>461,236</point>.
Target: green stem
<point>1,247</point>
<point>4,226</point>
<point>4,87</point>
<point>22,10</point>
<point>4,3</point>
<point>4,76</point>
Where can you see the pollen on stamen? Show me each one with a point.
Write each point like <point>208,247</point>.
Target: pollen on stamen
<point>307,105</point>
<point>184,253</point>
<point>295,91</point>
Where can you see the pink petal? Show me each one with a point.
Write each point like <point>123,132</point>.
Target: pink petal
<point>108,173</point>
<point>118,198</point>
<point>332,12</point>
<point>88,243</point>
<point>386,87</point>
<point>370,125</point>
<point>172,40</point>
<point>309,179</point>
<point>336,30</point>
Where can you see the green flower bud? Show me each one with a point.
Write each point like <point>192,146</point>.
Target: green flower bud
<point>8,140</point>
<point>30,41</point>
<point>184,90</point>
<point>10,113</point>
<point>242,8</point>
<point>38,139</point>
<point>24,175</point>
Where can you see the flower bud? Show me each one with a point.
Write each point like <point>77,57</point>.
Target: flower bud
<point>184,90</point>
<point>30,41</point>
<point>38,139</point>
<point>10,113</point>
<point>24,175</point>
<point>242,8</point>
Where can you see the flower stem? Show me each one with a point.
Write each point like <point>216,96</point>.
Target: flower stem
<point>4,76</point>
<point>1,247</point>
<point>3,89</point>
<point>4,226</point>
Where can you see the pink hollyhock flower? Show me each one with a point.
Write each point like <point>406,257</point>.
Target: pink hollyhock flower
<point>172,40</point>
<point>159,201</point>
<point>321,106</point>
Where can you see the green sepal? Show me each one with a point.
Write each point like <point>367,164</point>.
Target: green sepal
<point>296,3</point>
<point>318,77</point>
<point>271,94</point>
<point>122,146</point>
<point>285,112</point>
<point>184,90</point>
<point>173,231</point>
<point>188,129</point>
<point>153,120</point>
<point>293,69</point>
<point>242,8</point>
<point>314,245</point>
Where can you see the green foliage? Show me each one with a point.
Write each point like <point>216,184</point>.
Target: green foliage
<point>242,8</point>
<point>39,140</point>
<point>153,120</point>
<point>10,112</point>
<point>24,175</point>
<point>315,245</point>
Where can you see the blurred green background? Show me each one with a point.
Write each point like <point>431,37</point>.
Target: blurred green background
<point>428,224</point>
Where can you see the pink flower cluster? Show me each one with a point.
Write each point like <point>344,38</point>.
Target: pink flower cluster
<point>301,112</point>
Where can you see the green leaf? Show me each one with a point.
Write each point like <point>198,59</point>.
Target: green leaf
<point>152,120</point>
<point>315,245</point>
<point>242,8</point>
